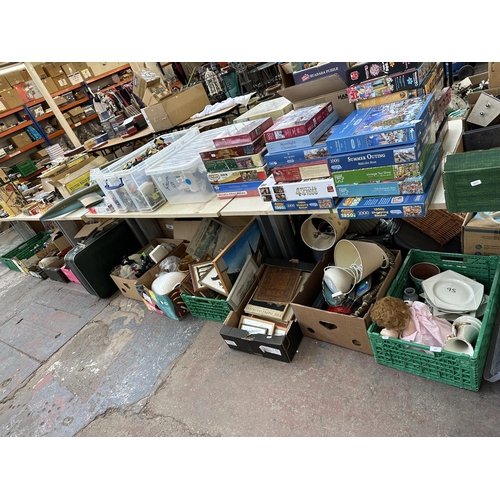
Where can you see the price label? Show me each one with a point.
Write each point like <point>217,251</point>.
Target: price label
<point>434,349</point>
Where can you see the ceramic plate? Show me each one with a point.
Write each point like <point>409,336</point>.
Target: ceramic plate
<point>453,292</point>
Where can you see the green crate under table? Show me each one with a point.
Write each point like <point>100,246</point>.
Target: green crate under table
<point>25,250</point>
<point>207,308</point>
<point>457,369</point>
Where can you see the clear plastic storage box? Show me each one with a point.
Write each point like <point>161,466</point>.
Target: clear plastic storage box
<point>132,189</point>
<point>182,176</point>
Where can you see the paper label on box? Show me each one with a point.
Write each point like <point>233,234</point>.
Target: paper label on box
<point>270,350</point>
<point>230,342</point>
<point>475,183</point>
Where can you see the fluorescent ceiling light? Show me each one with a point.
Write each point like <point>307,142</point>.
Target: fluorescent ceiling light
<point>16,67</point>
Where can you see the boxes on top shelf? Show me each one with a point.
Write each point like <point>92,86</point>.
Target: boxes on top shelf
<point>401,122</point>
<point>243,133</point>
<point>298,122</point>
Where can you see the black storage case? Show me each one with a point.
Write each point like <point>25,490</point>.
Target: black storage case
<point>93,259</point>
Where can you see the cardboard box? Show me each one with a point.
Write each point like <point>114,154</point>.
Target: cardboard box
<point>327,89</point>
<point>480,236</point>
<point>40,71</point>
<point>69,69</point>
<point>50,85</point>
<point>278,347</point>
<point>14,77</point>
<point>336,328</point>
<point>75,78</point>
<point>127,286</point>
<point>171,305</point>
<point>493,74</point>
<point>53,70</point>
<point>177,108</point>
<point>20,140</point>
<point>73,180</point>
<point>4,84</point>
<point>62,82</point>
<point>11,99</point>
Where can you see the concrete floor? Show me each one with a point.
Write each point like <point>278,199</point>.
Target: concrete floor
<point>76,365</point>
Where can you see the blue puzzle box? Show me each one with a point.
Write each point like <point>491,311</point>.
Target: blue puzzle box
<point>400,122</point>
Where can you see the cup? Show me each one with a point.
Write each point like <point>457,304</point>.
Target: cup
<point>421,271</point>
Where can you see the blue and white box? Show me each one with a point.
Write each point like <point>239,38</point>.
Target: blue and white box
<point>400,122</point>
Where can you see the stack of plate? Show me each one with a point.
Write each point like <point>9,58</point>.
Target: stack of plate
<point>451,294</point>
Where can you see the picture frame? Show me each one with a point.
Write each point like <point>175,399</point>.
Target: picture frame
<point>245,280</point>
<point>256,326</point>
<point>213,281</point>
<point>198,270</point>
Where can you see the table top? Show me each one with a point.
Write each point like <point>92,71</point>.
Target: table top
<point>254,205</point>
<point>121,141</point>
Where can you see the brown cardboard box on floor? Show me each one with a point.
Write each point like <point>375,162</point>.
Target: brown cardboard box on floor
<point>336,328</point>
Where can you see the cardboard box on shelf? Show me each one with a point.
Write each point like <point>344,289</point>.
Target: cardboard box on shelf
<point>12,200</point>
<point>50,85</point>
<point>69,69</point>
<point>127,285</point>
<point>98,68</point>
<point>40,71</point>
<point>14,77</point>
<point>62,82</point>
<point>75,78</point>
<point>20,140</point>
<point>327,89</point>
<point>177,108</point>
<point>336,328</point>
<point>53,70</point>
<point>28,91</point>
<point>11,99</point>
<point>4,84</point>
<point>480,236</point>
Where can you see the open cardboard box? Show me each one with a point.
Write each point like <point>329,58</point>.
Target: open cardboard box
<point>282,347</point>
<point>170,305</point>
<point>336,328</point>
<point>127,286</point>
<point>326,89</point>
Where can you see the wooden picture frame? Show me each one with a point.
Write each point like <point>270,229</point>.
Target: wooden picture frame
<point>256,326</point>
<point>245,280</point>
<point>198,270</point>
<point>212,280</point>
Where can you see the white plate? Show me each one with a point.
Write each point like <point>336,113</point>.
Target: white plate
<point>453,292</point>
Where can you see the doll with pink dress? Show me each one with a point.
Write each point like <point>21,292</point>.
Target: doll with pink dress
<point>410,321</point>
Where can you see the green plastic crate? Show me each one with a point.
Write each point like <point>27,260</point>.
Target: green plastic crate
<point>207,308</point>
<point>25,250</point>
<point>25,168</point>
<point>459,370</point>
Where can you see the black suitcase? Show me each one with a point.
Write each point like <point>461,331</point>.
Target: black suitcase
<point>93,259</point>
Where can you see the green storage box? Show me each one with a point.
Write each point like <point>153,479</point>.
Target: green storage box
<point>207,308</point>
<point>472,181</point>
<point>460,370</point>
<point>25,168</point>
<point>25,250</point>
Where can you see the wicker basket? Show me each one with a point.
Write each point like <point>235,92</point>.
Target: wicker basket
<point>440,225</point>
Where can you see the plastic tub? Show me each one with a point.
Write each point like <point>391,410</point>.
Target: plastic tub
<point>131,189</point>
<point>182,176</point>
